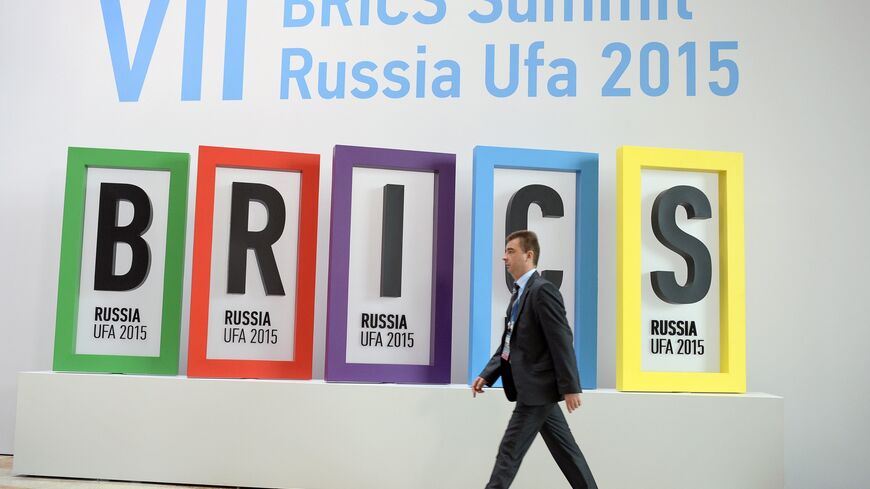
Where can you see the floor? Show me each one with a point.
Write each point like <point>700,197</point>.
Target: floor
<point>9,481</point>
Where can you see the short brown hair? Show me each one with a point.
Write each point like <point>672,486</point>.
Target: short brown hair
<point>528,241</point>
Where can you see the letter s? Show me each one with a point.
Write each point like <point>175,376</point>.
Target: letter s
<point>697,256</point>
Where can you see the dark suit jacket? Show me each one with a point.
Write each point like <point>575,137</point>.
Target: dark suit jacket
<point>542,365</point>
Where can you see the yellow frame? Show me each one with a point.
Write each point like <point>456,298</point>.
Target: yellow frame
<point>630,160</point>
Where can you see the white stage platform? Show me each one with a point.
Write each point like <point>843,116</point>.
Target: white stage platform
<point>317,435</point>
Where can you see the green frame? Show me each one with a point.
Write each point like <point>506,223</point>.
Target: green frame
<point>78,161</point>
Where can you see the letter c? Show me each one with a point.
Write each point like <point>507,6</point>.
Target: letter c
<point>517,219</point>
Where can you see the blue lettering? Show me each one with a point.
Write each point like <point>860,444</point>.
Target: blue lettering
<point>492,16</point>
<point>664,79</point>
<point>341,5</point>
<point>299,74</point>
<point>421,74</point>
<point>569,10</point>
<point>662,9</point>
<point>532,62</point>
<point>358,75</point>
<point>364,12</point>
<point>130,78</point>
<point>438,16</point>
<point>568,7</point>
<point>452,78</point>
<point>386,18</point>
<point>683,10</point>
<point>610,89</point>
<point>290,21</point>
<point>194,32</point>
<point>511,87</point>
<point>389,74</point>
<point>569,77</point>
<point>234,49</point>
<point>322,74</point>
<point>528,16</point>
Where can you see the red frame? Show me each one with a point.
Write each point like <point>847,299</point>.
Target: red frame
<point>309,166</point>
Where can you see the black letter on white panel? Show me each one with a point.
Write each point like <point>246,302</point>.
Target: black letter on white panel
<point>242,240</point>
<point>109,234</point>
<point>391,240</point>
<point>697,256</point>
<point>518,219</point>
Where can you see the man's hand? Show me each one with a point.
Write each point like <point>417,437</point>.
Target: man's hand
<point>572,402</point>
<point>477,386</point>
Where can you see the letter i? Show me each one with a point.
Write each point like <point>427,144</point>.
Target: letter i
<point>391,240</point>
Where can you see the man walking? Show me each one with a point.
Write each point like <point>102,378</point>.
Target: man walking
<point>538,369</point>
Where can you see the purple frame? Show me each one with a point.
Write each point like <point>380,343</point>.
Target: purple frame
<point>345,159</point>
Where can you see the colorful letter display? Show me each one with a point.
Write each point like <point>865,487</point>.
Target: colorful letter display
<point>680,262</point>
<point>122,262</point>
<point>390,297</point>
<point>680,271</point>
<point>563,186</point>
<point>252,296</point>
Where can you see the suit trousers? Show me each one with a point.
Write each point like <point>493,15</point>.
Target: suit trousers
<point>525,423</point>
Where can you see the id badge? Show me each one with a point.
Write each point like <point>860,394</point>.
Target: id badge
<point>506,351</point>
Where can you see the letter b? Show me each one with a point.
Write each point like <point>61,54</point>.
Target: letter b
<point>109,234</point>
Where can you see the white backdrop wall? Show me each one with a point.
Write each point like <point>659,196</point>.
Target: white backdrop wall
<point>799,116</point>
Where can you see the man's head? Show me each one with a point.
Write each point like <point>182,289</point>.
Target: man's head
<point>521,252</point>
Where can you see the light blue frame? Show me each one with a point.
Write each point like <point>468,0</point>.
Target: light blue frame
<point>585,165</point>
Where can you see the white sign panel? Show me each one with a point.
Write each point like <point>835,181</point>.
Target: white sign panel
<point>390,330</point>
<point>679,337</point>
<point>123,322</point>
<point>254,325</point>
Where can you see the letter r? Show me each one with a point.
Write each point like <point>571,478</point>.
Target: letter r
<point>241,239</point>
